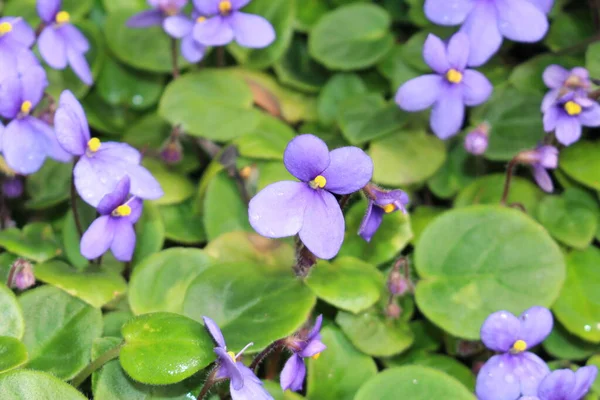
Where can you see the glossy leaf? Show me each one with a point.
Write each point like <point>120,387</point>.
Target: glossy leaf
<point>581,162</point>
<point>36,241</point>
<point>10,313</point>
<point>27,385</point>
<point>13,353</point>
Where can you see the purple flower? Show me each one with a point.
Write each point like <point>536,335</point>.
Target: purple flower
<point>228,23</point>
<point>568,115</point>
<point>12,188</point>
<point>101,165</point>
<point>294,370</point>
<point>562,81</point>
<point>182,27</point>
<point>309,208</point>
<point>15,35</point>
<point>450,89</point>
<point>564,384</point>
<point>476,141</point>
<point>114,228</point>
<point>488,21</point>
<point>161,9</point>
<point>516,372</point>
<point>243,384</point>
<point>380,202</point>
<point>61,43</point>
<point>26,140</point>
<point>542,158</point>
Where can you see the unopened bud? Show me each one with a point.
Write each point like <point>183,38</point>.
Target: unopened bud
<point>12,188</point>
<point>393,310</point>
<point>172,151</point>
<point>397,283</point>
<point>21,274</point>
<point>476,142</point>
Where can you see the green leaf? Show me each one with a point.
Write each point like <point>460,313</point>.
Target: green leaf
<point>297,70</point>
<point>49,186</point>
<point>150,233</point>
<point>59,331</point>
<point>351,37</point>
<point>105,118</point>
<point>159,282</point>
<point>10,314</point>
<point>455,174</point>
<point>243,246</point>
<point>477,260</point>
<point>396,68</point>
<point>114,321</point>
<point>177,187</point>
<point>373,334</point>
<point>348,283</point>
<point>95,285</point>
<point>420,218</point>
<point>337,89</point>
<point>13,353</point>
<point>164,348</point>
<point>578,306</point>
<point>268,141</point>
<point>329,377</point>
<point>28,385</point>
<point>308,12</point>
<point>581,162</point>
<point>569,28</point>
<point>36,241</point>
<point>70,236</point>
<point>250,302</point>
<point>595,360</point>
<point>564,346</point>
<point>392,236</point>
<point>182,224</point>
<point>213,104</point>
<point>407,157</point>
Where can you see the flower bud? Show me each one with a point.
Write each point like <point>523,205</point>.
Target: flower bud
<point>393,310</point>
<point>476,142</point>
<point>172,151</point>
<point>397,283</point>
<point>545,156</point>
<point>21,274</point>
<point>12,188</point>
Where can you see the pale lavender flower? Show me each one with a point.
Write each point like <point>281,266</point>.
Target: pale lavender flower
<point>450,89</point>
<point>569,114</point>
<point>487,22</point>
<point>564,384</point>
<point>381,202</point>
<point>561,81</point>
<point>160,9</point>
<point>182,27</point>
<point>15,36</point>
<point>476,141</point>
<point>541,159</point>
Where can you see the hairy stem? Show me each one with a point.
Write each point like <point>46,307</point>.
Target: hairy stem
<point>96,364</point>
<point>263,354</point>
<point>509,173</point>
<point>210,381</point>
<point>74,203</point>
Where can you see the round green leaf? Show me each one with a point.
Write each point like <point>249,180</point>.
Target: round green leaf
<point>213,104</point>
<point>348,283</point>
<point>59,331</point>
<point>578,306</point>
<point>243,246</point>
<point>352,37</point>
<point>337,89</point>
<point>164,348</point>
<point>373,334</point>
<point>13,353</point>
<point>49,186</point>
<point>177,187</point>
<point>28,385</point>
<point>477,260</point>
<point>581,162</point>
<point>36,241</point>
<point>564,346</point>
<point>105,118</point>
<point>150,233</point>
<point>569,28</point>
<point>455,174</point>
<point>414,383</point>
<point>182,224</point>
<point>392,236</point>
<point>395,67</point>
<point>10,314</point>
<point>250,302</point>
<point>420,218</point>
<point>297,70</point>
<point>268,141</point>
<point>114,321</point>
<point>329,377</point>
<point>159,282</point>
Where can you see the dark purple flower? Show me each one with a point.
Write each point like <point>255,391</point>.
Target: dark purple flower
<point>564,384</point>
<point>561,81</point>
<point>114,228</point>
<point>161,9</point>
<point>294,370</point>
<point>450,89</point>
<point>61,43</point>
<point>516,372</point>
<point>101,165</point>
<point>12,187</point>
<point>26,140</point>
<point>488,21</point>
<point>380,202</point>
<point>541,159</point>
<point>227,23</point>
<point>182,27</point>
<point>309,208</point>
<point>15,35</point>
<point>476,141</point>
<point>22,274</point>
<point>569,114</point>
<point>243,383</point>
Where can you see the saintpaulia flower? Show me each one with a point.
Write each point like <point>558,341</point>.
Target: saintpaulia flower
<point>309,208</point>
<point>294,370</point>
<point>450,89</point>
<point>101,165</point>
<point>61,43</point>
<point>561,81</point>
<point>516,372</point>
<point>228,23</point>
<point>380,202</point>
<point>182,27</point>
<point>243,383</point>
<point>487,22</point>
<point>476,141</point>
<point>15,35</point>
<point>564,384</point>
<point>568,115</point>
<point>114,228</point>
<point>26,140</point>
<point>541,159</point>
<point>161,9</point>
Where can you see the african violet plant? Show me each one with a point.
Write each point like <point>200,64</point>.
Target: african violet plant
<point>287,199</point>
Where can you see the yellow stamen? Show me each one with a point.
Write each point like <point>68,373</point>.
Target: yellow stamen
<point>320,181</point>
<point>454,76</point>
<point>572,108</point>
<point>5,27</point>
<point>62,17</point>
<point>519,346</point>
<point>388,208</point>
<point>245,172</point>
<point>123,211</point>
<point>225,7</point>
<point>200,19</point>
<point>26,107</point>
<point>232,355</point>
<point>316,356</point>
<point>94,144</point>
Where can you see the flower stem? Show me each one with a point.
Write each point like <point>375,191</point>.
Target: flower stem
<point>210,381</point>
<point>344,201</point>
<point>174,55</point>
<point>96,364</point>
<point>74,203</point>
<point>220,57</point>
<point>509,173</point>
<point>263,354</point>
<point>305,259</point>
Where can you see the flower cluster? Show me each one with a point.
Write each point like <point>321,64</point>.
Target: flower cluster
<point>516,373</point>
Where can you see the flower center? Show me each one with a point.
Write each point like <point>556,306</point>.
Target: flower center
<point>200,19</point>
<point>232,355</point>
<point>316,356</point>
<point>62,17</point>
<point>225,7</point>
<point>572,108</point>
<point>94,144</point>
<point>519,346</point>
<point>122,211</point>
<point>5,27</point>
<point>26,107</point>
<point>388,208</point>
<point>454,76</point>
<point>318,182</point>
